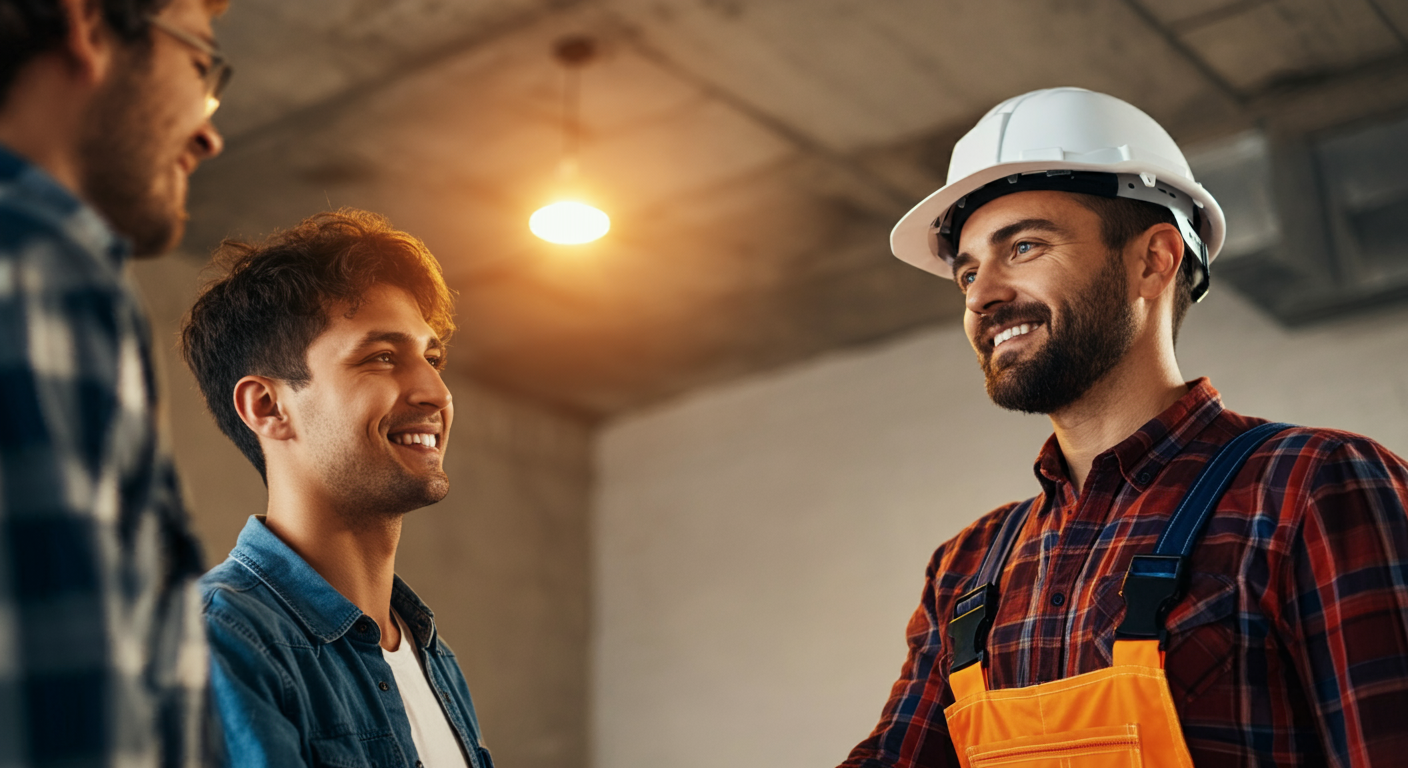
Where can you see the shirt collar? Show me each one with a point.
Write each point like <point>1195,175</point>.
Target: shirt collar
<point>28,186</point>
<point>414,612</point>
<point>314,603</point>
<point>1141,456</point>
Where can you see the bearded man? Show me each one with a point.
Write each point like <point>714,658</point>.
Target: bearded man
<point>319,354</point>
<point>105,110</point>
<point>1191,586</point>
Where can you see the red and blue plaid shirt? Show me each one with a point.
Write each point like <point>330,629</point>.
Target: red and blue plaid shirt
<point>1290,646</point>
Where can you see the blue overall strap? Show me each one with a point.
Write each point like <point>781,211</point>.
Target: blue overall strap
<point>973,613</point>
<point>1155,582</point>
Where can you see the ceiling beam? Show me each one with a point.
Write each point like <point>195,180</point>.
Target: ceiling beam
<point>322,111</point>
<point>1191,56</point>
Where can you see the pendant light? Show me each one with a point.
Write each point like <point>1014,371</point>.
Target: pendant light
<point>568,219</point>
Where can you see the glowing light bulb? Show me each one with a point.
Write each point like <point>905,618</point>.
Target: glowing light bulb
<point>569,223</point>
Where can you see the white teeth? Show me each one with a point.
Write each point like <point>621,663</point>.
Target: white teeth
<point>415,438</point>
<point>1016,330</point>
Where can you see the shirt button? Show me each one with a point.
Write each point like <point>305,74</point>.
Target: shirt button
<point>383,686</point>
<point>361,627</point>
<point>1144,478</point>
<point>1058,599</point>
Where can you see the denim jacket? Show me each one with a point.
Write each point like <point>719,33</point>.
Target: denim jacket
<point>297,670</point>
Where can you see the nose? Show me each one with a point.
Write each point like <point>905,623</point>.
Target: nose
<point>988,290</point>
<point>207,142</point>
<point>429,390</point>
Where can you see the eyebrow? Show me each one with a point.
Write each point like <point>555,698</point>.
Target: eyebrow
<point>395,338</point>
<point>1006,233</point>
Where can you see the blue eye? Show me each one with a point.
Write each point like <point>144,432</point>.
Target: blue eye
<point>1024,246</point>
<point>966,279</point>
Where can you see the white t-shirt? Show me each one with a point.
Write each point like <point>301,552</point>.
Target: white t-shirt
<point>431,731</point>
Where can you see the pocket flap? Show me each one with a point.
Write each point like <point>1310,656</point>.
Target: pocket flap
<point>1074,747</point>
<point>354,751</point>
<point>1210,597</point>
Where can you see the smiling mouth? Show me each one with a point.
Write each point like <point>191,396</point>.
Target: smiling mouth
<point>423,439</point>
<point>1013,332</point>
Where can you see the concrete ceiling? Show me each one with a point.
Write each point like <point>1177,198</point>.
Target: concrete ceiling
<point>753,154</point>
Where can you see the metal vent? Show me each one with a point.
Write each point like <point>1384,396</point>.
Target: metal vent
<point>1315,222</point>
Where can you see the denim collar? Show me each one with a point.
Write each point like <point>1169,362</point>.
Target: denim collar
<point>41,195</point>
<point>321,609</point>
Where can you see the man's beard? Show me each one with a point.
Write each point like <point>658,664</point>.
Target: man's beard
<point>1095,332</point>
<point>123,150</point>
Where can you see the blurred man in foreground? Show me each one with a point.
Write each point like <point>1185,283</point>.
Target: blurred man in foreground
<point>319,354</point>
<point>1192,586</point>
<point>104,111</point>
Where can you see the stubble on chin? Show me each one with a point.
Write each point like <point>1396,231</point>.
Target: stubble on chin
<point>387,494</point>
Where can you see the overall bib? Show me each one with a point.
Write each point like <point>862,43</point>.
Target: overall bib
<point>1120,716</point>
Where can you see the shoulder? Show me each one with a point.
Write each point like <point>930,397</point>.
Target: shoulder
<point>239,608</point>
<point>1310,461</point>
<point>44,256</point>
<point>22,224</point>
<point>957,560</point>
<point>1328,489</point>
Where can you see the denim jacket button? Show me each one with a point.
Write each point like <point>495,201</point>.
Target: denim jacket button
<point>383,686</point>
<point>361,627</point>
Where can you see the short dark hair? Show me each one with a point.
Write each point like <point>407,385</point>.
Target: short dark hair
<point>273,299</point>
<point>1122,220</point>
<point>31,27</point>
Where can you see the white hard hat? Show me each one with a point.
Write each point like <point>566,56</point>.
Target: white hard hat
<point>1065,139</point>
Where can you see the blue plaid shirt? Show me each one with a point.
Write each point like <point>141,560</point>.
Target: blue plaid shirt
<point>103,661</point>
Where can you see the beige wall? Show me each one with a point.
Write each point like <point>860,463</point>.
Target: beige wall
<point>759,546</point>
<point>502,560</point>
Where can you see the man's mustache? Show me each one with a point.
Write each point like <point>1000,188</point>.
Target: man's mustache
<point>423,420</point>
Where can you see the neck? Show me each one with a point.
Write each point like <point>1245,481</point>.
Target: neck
<point>1143,385</point>
<point>355,552</point>
<point>41,119</point>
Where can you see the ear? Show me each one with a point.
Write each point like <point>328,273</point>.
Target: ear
<point>1159,259</point>
<point>257,401</point>
<point>90,45</point>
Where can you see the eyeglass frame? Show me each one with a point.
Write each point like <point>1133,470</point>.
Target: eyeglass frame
<point>216,77</point>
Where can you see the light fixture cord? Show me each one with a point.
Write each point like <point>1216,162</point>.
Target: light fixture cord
<point>571,118</point>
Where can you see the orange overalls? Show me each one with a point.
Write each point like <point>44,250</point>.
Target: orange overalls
<point>1120,716</point>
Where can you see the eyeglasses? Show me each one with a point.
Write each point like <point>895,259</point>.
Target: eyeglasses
<point>216,76</point>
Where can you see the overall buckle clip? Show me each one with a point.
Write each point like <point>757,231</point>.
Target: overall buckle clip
<point>1151,587</point>
<point>968,631</point>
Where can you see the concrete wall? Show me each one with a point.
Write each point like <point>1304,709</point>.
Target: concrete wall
<point>760,546</point>
<point>502,560</point>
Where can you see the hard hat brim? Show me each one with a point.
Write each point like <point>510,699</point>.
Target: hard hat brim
<point>915,239</point>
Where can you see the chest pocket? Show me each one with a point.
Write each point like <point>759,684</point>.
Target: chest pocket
<point>354,751</point>
<point>1201,635</point>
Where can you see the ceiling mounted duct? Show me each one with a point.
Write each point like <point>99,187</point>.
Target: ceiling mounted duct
<point>1313,221</point>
